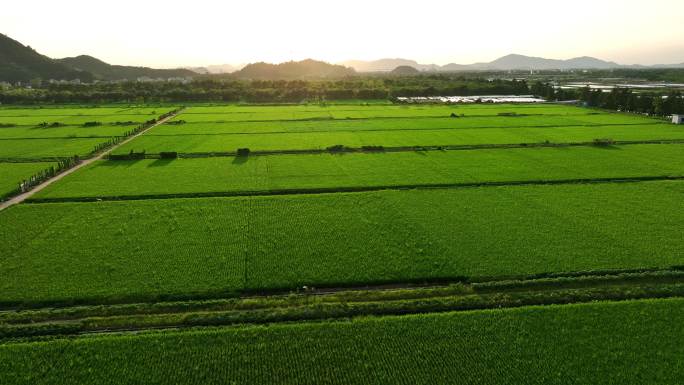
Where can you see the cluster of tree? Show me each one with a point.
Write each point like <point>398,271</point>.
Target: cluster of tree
<point>260,91</point>
<point>623,99</point>
<point>675,75</point>
<point>552,93</point>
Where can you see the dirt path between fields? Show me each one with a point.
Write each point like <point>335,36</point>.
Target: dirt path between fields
<point>23,196</point>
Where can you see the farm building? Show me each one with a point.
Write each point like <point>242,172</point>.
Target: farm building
<point>678,119</point>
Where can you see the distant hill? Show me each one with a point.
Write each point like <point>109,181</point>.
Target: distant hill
<point>508,62</point>
<point>405,70</point>
<point>105,71</point>
<point>305,69</point>
<point>23,63</point>
<point>387,65</point>
<point>215,69</point>
<point>521,62</point>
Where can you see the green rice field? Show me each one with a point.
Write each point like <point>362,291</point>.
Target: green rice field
<point>11,174</point>
<point>350,243</point>
<point>29,137</point>
<point>114,249</point>
<point>366,170</point>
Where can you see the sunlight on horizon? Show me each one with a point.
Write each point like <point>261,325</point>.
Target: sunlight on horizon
<point>174,33</point>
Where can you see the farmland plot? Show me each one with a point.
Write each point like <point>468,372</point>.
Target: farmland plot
<point>11,174</point>
<point>366,170</point>
<point>202,246</point>
<point>199,143</point>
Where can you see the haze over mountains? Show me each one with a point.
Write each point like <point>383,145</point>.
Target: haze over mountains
<point>508,62</point>
<point>22,63</point>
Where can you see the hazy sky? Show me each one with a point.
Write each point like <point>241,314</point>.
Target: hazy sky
<point>178,33</point>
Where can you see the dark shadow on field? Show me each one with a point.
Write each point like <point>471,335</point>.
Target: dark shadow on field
<point>118,163</point>
<point>610,147</point>
<point>240,160</point>
<point>160,162</point>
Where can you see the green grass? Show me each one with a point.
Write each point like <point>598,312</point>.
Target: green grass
<point>186,247</point>
<point>64,131</point>
<point>78,116</point>
<point>11,174</point>
<point>49,147</point>
<point>28,141</point>
<point>387,124</point>
<point>153,143</point>
<point>80,111</point>
<point>635,342</point>
<point>265,173</point>
<point>303,112</point>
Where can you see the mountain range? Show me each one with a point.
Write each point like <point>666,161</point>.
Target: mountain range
<point>23,63</point>
<point>508,62</point>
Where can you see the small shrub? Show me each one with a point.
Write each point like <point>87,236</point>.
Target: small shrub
<point>336,148</point>
<point>603,142</point>
<point>176,122</point>
<point>168,155</point>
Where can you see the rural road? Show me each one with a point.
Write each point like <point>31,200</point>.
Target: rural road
<point>22,197</point>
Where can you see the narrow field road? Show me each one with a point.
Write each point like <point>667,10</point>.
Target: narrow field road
<point>22,197</point>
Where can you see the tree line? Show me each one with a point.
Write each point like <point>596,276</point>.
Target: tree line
<point>371,87</point>
<point>262,91</point>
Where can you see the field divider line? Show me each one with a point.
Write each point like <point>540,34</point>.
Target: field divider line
<point>64,137</point>
<point>308,309</point>
<point>28,194</point>
<point>357,131</point>
<point>354,189</point>
<point>380,149</point>
<point>327,119</point>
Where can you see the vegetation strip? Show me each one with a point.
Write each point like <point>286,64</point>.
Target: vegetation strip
<point>549,126</point>
<point>343,304</point>
<point>333,190</point>
<point>343,149</point>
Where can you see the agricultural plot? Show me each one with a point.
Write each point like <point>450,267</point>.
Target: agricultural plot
<point>267,113</point>
<point>98,251</point>
<point>11,174</point>
<point>570,344</point>
<point>76,120</point>
<point>203,143</point>
<point>388,124</point>
<point>37,135</point>
<point>298,173</point>
<point>527,208</point>
<point>29,149</point>
<point>225,129</point>
<point>64,132</point>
